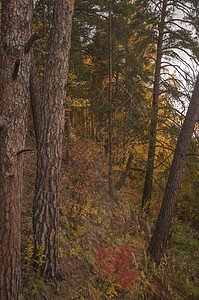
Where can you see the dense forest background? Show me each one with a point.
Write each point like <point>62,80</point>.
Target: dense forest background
<point>132,75</point>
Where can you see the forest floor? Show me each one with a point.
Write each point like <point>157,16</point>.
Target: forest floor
<point>103,241</point>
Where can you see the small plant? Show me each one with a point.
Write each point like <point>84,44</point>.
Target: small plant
<point>81,230</point>
<point>39,261</point>
<point>61,252</point>
<point>29,255</point>
<point>115,270</point>
<point>29,251</point>
<point>75,249</point>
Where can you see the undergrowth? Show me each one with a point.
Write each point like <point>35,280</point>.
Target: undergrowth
<point>103,242</point>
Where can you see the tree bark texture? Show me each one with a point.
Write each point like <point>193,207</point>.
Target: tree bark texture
<point>146,198</point>
<point>50,138</point>
<point>160,236</point>
<point>14,89</point>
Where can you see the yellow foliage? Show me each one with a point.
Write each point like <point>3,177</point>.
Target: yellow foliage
<point>29,253</point>
<point>111,292</point>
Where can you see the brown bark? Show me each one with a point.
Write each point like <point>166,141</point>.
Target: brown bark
<point>46,201</point>
<point>146,198</point>
<point>160,236</point>
<point>14,81</point>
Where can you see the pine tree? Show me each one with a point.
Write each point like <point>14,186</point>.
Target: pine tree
<point>146,198</point>
<point>14,82</point>
<point>160,236</point>
<point>173,36</point>
<point>50,138</point>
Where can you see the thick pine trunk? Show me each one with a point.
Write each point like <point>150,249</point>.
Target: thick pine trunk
<point>14,82</point>
<point>160,236</point>
<point>146,198</point>
<point>46,202</point>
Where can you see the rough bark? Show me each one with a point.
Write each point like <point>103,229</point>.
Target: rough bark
<point>46,202</point>
<point>160,236</point>
<point>14,82</point>
<point>146,198</point>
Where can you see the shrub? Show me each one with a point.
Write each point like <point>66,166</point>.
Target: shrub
<point>115,268</point>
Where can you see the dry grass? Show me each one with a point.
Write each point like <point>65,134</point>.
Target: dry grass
<point>119,222</point>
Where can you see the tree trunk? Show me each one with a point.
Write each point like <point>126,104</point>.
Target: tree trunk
<point>46,202</point>
<point>146,198</point>
<point>160,236</point>
<point>14,81</point>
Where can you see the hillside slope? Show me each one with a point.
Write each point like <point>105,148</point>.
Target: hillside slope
<point>103,242</point>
